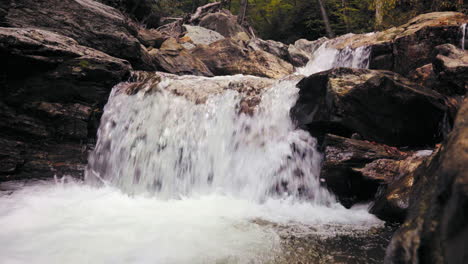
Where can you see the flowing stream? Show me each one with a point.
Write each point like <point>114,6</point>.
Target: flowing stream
<point>177,179</point>
<point>463,38</point>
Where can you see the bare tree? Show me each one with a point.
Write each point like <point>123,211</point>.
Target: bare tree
<point>325,18</point>
<point>379,13</point>
<point>243,11</point>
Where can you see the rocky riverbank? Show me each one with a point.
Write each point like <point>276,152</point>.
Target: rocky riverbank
<point>394,134</point>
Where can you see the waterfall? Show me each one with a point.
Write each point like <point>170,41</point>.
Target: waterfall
<point>191,170</point>
<point>463,38</point>
<point>171,146</point>
<point>327,57</point>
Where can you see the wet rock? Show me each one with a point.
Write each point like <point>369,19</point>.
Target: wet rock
<point>412,45</point>
<point>89,22</point>
<point>52,91</point>
<point>174,58</point>
<point>228,57</point>
<point>287,53</point>
<point>308,46</point>
<point>345,169</point>
<point>199,89</point>
<point>436,229</point>
<point>379,105</point>
<point>41,65</point>
<point>451,68</point>
<point>392,198</point>
<point>222,22</point>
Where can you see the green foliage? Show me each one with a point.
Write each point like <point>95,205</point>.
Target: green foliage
<point>289,20</point>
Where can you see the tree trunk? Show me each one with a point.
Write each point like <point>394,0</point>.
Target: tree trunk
<point>242,11</point>
<point>345,16</point>
<point>326,21</point>
<point>378,13</point>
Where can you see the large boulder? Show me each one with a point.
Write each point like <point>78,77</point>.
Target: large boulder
<point>172,57</point>
<point>197,35</point>
<point>451,68</point>
<point>222,22</point>
<point>199,89</point>
<point>89,22</point>
<point>412,45</point>
<point>344,170</point>
<point>228,57</point>
<point>52,91</point>
<point>287,53</point>
<point>436,228</point>
<point>391,201</point>
<point>381,106</point>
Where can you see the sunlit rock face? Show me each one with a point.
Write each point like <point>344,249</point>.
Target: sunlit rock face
<point>409,46</point>
<point>89,22</point>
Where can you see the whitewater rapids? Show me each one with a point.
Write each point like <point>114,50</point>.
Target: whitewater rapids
<point>174,181</point>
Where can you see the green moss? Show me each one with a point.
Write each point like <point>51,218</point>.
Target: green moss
<point>84,64</point>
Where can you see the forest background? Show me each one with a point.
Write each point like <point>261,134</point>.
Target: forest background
<point>289,20</point>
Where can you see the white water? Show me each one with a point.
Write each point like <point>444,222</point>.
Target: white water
<point>180,182</point>
<point>463,39</point>
<point>326,58</point>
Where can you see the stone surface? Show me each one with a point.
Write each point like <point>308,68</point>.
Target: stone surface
<point>174,58</point>
<point>451,68</point>
<point>89,22</point>
<point>228,57</point>
<point>150,38</point>
<point>222,22</point>
<point>200,35</point>
<point>392,198</point>
<point>198,89</point>
<point>379,105</point>
<point>436,228</point>
<point>412,45</point>
<point>52,91</point>
<point>343,170</point>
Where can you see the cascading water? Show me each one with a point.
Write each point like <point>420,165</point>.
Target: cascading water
<point>463,38</point>
<point>187,175</point>
<point>167,145</point>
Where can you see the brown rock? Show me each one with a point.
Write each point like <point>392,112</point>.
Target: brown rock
<point>379,105</point>
<point>89,22</point>
<point>436,228</point>
<point>409,46</point>
<point>228,57</point>
<point>52,91</point>
<point>451,68</point>
<point>392,199</point>
<point>345,167</point>
<point>172,57</point>
<point>222,22</point>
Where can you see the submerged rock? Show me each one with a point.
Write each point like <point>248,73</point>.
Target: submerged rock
<point>381,106</point>
<point>436,230</point>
